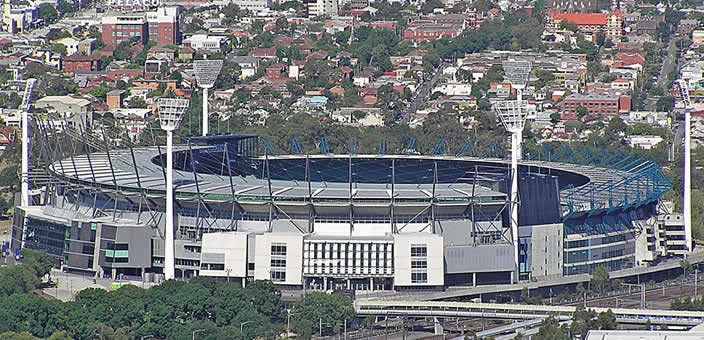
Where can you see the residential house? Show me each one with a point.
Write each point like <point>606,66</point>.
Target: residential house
<point>264,52</point>
<point>70,43</point>
<point>204,42</point>
<point>248,65</point>
<point>363,78</point>
<point>76,63</point>
<point>114,99</point>
<point>75,110</point>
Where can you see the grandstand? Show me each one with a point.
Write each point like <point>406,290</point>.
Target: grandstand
<point>340,220</point>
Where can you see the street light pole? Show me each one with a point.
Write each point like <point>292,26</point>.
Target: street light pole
<point>193,335</point>
<point>288,321</point>
<point>242,326</point>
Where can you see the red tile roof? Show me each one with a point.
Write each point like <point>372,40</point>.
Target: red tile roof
<point>580,19</point>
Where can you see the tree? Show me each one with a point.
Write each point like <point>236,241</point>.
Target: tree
<point>687,267</point>
<point>666,103</point>
<point>123,51</point>
<point>606,320</point>
<point>581,112</point>
<point>281,24</point>
<point>60,49</point>
<point>231,12</point>
<point>65,7</point>
<point>48,13</point>
<point>99,92</point>
<point>600,38</point>
<point>600,279</point>
<point>315,307</point>
<point>550,329</point>
<point>55,34</point>
<point>9,177</point>
<point>555,117</point>
<point>430,5</point>
<point>136,103</point>
<point>570,26</point>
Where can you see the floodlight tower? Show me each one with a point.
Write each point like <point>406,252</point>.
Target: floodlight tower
<point>171,112</point>
<point>517,73</point>
<point>687,175</point>
<point>513,116</point>
<point>206,72</point>
<point>26,99</point>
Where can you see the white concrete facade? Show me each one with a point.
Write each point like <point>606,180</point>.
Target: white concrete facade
<point>418,259</point>
<point>279,257</point>
<point>228,249</point>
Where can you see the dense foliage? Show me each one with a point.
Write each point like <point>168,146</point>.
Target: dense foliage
<point>318,308</point>
<point>172,310</point>
<point>582,321</point>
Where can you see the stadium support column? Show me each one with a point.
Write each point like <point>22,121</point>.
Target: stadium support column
<point>171,112</point>
<point>687,182</point>
<point>513,115</point>
<point>687,175</point>
<point>26,99</point>
<point>205,111</point>
<point>25,158</point>
<point>169,261</point>
<point>516,138</point>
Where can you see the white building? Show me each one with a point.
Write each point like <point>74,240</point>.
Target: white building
<point>248,66</point>
<point>318,260</point>
<point>253,5</point>
<point>645,142</point>
<point>70,43</point>
<point>323,7</point>
<point>204,42</point>
<point>454,89</point>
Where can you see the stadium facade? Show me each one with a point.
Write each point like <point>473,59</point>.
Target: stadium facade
<point>343,221</point>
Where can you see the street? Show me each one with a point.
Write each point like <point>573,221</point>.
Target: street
<point>422,94</point>
<point>668,65</point>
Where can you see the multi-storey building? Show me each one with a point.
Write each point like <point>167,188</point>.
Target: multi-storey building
<point>160,26</point>
<point>163,26</point>
<point>607,105</point>
<point>423,31</point>
<point>253,5</point>
<point>323,7</point>
<point>610,24</point>
<point>124,28</point>
<point>86,63</point>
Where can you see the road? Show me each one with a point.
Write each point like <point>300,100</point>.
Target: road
<point>423,93</point>
<point>68,284</point>
<point>668,65</point>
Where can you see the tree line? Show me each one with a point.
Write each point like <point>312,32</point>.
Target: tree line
<point>172,310</point>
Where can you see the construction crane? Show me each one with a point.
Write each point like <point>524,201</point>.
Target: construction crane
<point>26,100</point>
<point>687,176</point>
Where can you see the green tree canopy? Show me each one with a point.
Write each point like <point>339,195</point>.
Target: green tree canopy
<point>48,13</point>
<point>316,307</point>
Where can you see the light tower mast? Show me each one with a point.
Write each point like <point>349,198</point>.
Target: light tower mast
<point>26,99</point>
<point>171,112</point>
<point>687,176</point>
<point>513,116</point>
<point>206,72</point>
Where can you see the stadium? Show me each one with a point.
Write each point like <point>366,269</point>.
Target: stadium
<point>342,220</point>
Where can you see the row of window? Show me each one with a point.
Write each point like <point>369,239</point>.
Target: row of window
<point>278,262</point>
<point>419,263</point>
<point>212,266</point>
